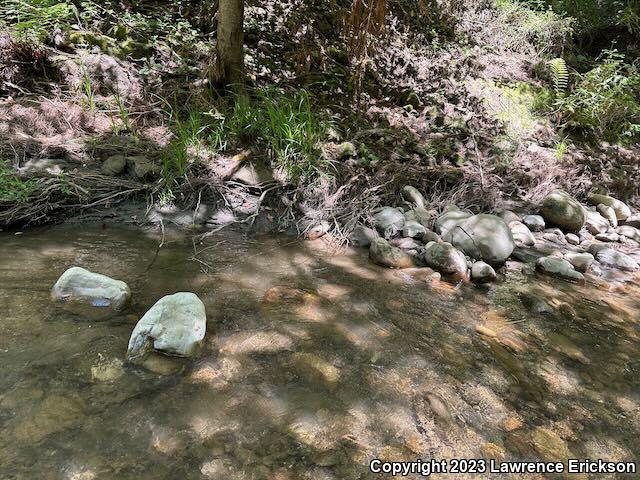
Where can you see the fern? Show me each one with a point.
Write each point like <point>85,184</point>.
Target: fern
<point>560,75</point>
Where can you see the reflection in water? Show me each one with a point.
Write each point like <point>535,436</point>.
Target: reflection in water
<point>314,364</point>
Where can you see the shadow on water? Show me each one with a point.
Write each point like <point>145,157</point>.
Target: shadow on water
<point>314,363</point>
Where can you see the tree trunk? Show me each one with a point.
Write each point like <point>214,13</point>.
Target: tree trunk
<point>230,50</point>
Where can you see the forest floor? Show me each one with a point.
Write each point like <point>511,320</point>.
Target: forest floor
<point>116,112</point>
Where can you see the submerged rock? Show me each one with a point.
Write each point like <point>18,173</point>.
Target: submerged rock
<point>388,222</point>
<point>621,209</point>
<point>82,286</point>
<point>562,210</point>
<point>175,325</point>
<point>482,237</point>
<point>315,368</point>
<point>482,272</point>
<point>384,254</point>
<point>445,258</point>
<point>558,267</point>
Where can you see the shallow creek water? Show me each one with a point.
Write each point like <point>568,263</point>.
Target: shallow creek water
<point>314,363</point>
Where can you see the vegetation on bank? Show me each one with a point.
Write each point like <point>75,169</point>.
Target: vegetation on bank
<point>396,78</point>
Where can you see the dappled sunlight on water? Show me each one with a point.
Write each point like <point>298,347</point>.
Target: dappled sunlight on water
<point>314,363</point>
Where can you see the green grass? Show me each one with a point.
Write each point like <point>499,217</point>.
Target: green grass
<point>12,188</point>
<point>284,124</point>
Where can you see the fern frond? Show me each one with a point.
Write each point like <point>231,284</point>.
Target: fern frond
<point>560,75</point>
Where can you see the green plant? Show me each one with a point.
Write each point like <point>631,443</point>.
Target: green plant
<point>36,18</point>
<point>123,112</point>
<point>561,148</point>
<point>560,75</point>
<point>13,188</point>
<point>88,91</point>
<point>291,131</point>
<point>605,101</point>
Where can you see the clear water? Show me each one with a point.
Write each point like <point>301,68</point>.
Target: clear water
<point>342,362</point>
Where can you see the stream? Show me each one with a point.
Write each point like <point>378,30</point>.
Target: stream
<point>315,362</point>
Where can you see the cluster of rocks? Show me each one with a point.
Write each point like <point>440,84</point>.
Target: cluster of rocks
<point>175,325</point>
<point>564,239</point>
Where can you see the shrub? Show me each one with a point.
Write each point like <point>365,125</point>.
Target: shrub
<point>605,101</point>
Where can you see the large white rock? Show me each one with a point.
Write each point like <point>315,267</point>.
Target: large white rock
<point>83,286</point>
<point>175,325</point>
<point>482,237</point>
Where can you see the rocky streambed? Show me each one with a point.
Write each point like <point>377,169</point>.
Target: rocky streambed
<point>300,359</point>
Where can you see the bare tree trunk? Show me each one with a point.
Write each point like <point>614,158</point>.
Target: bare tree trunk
<point>230,49</point>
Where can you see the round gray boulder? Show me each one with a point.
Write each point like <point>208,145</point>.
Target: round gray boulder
<point>482,237</point>
<point>388,222</point>
<point>384,254</point>
<point>445,258</point>
<point>535,223</point>
<point>562,210</point>
<point>482,273</point>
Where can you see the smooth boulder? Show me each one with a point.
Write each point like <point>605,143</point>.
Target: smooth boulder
<point>521,234</point>
<point>413,229</point>
<point>445,258</point>
<point>629,232</point>
<point>535,223</point>
<point>482,237</point>
<point>615,259</point>
<point>596,223</point>
<point>560,268</point>
<point>175,325</point>
<point>562,210</point>
<point>362,236</point>
<point>609,214</point>
<point>384,254</point>
<point>388,222</point>
<point>580,261</point>
<point>413,196</point>
<point>82,286</point>
<point>622,210</point>
<point>450,218</point>
<point>482,273</point>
